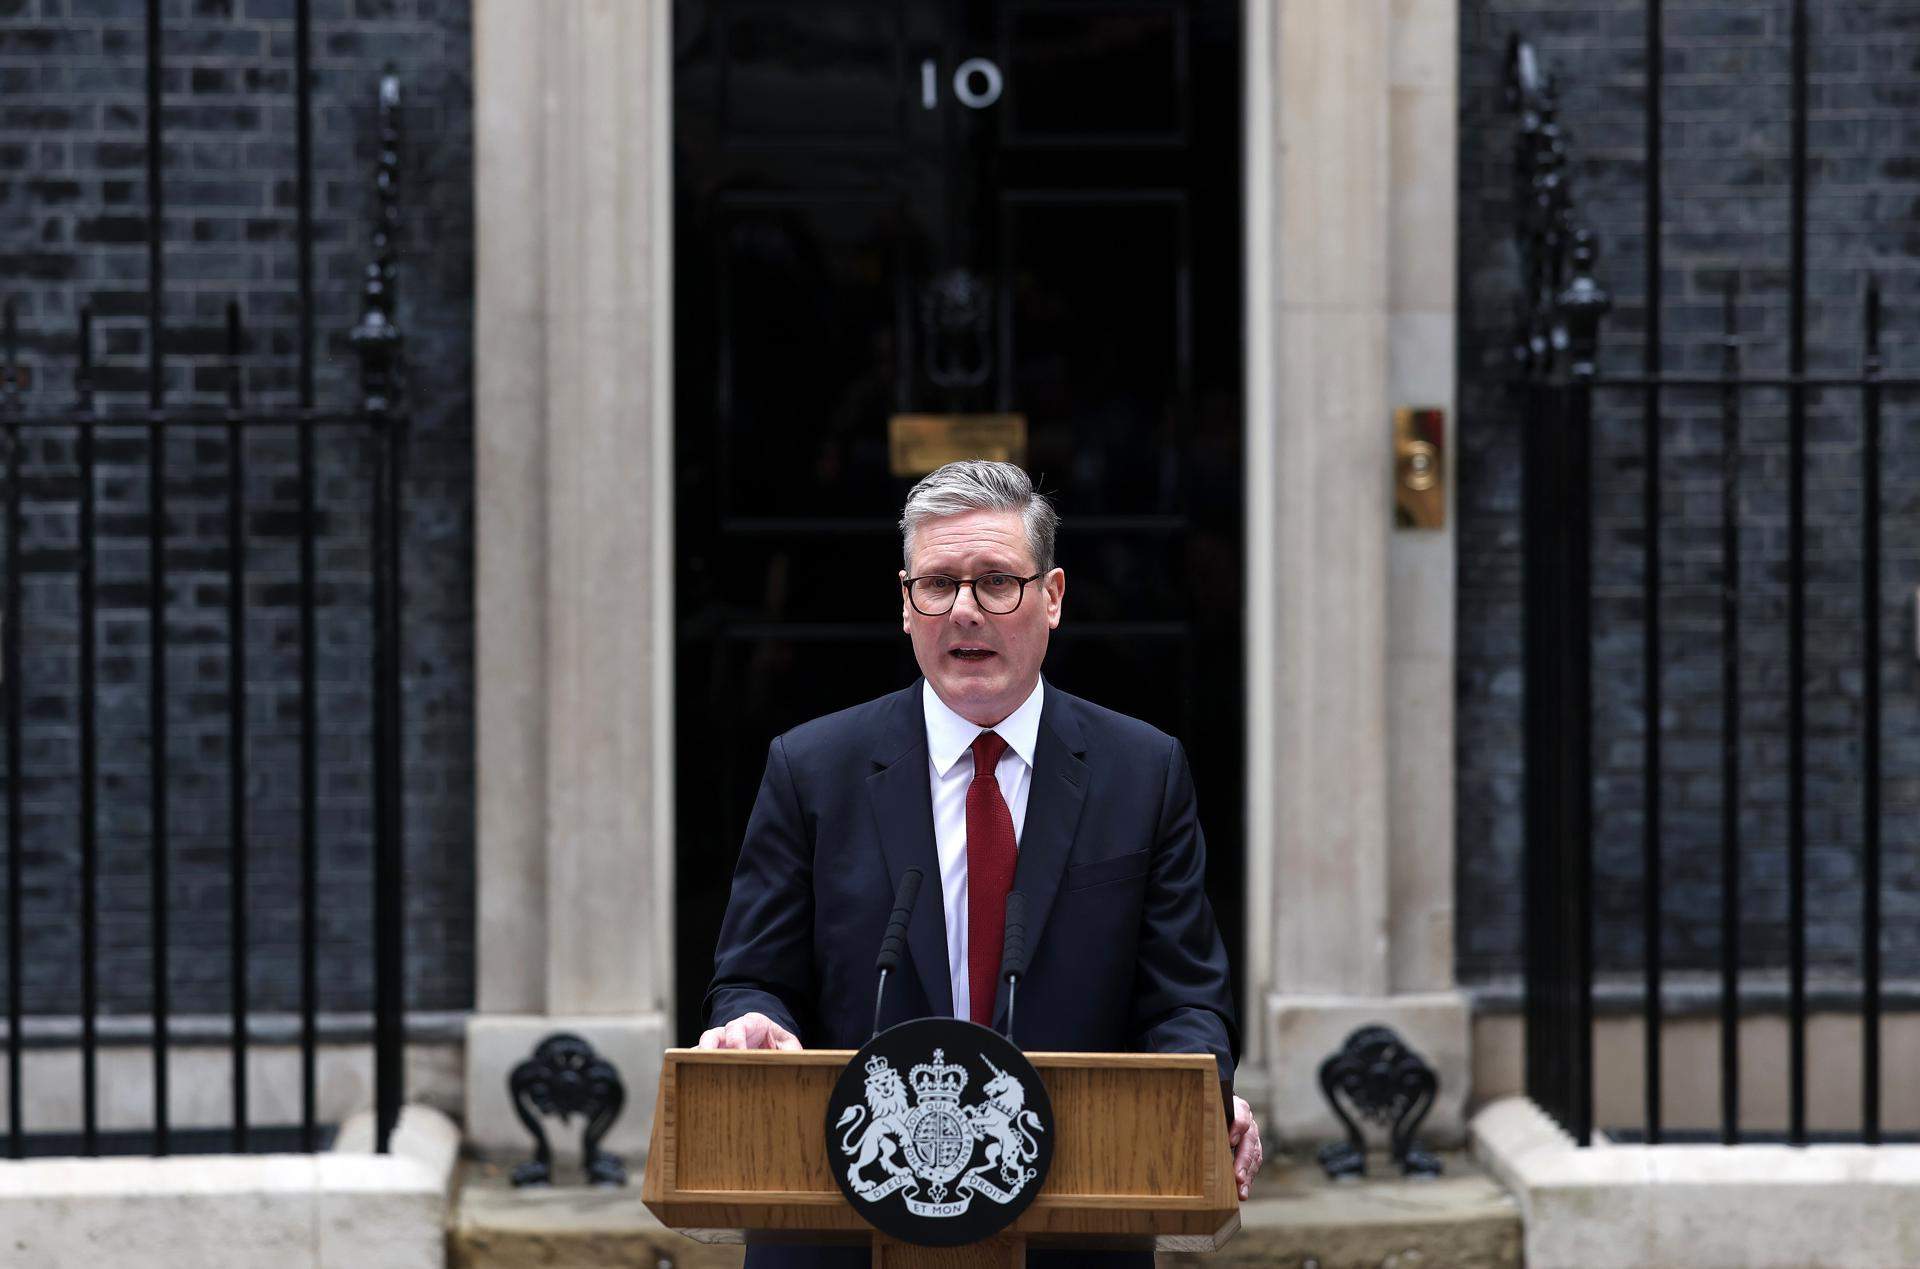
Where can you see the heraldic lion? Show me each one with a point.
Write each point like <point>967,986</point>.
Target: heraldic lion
<point>884,1136</point>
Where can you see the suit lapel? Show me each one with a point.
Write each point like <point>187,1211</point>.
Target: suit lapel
<point>1053,814</point>
<point>903,814</point>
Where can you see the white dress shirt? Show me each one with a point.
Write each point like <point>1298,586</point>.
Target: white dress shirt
<point>950,770</point>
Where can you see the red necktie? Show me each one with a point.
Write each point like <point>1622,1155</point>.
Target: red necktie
<point>990,852</point>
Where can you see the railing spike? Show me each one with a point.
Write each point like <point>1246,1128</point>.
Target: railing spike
<point>83,365</point>
<point>1565,301</point>
<point>1872,360</point>
<point>376,338</point>
<point>234,387</point>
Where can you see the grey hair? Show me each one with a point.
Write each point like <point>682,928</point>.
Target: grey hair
<point>976,484</point>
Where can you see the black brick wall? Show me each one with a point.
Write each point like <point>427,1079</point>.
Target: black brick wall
<point>73,231</point>
<point>1727,173</point>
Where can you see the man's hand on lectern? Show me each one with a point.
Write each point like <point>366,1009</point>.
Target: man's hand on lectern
<point>750,1031</point>
<point>1244,1140</point>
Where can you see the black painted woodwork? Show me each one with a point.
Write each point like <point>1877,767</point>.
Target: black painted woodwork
<point>816,197</point>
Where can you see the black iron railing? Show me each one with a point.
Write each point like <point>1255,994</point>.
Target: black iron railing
<point>53,470</point>
<point>1556,357</point>
<point>1555,351</point>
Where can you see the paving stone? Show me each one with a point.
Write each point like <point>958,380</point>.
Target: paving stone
<point>1296,1219</point>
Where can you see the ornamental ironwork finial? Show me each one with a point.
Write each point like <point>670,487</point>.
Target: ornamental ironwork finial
<point>1383,1080</point>
<point>1564,301</point>
<point>565,1077</point>
<point>376,338</point>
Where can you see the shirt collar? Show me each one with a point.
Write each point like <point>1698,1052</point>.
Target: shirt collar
<point>949,735</point>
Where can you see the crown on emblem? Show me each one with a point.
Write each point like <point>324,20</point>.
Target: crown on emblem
<point>876,1064</point>
<point>938,1080</point>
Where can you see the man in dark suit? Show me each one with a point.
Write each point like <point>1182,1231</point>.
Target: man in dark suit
<point>986,777</point>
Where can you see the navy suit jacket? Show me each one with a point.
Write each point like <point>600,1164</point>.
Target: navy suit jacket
<point>1125,952</point>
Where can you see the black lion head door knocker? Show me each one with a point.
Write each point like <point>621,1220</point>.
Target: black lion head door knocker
<point>956,323</point>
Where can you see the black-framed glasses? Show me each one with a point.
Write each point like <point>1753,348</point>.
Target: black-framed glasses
<point>933,595</point>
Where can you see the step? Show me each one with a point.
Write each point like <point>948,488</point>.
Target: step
<point>1296,1220</point>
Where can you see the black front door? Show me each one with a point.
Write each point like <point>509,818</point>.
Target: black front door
<point>910,207</point>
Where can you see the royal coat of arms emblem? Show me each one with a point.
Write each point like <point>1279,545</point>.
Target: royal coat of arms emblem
<point>930,1141</point>
<point>921,1136</point>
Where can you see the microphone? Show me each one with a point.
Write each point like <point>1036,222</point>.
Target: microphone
<point>896,938</point>
<point>1013,950</point>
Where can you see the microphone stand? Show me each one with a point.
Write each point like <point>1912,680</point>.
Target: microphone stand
<point>889,959</point>
<point>1013,951</point>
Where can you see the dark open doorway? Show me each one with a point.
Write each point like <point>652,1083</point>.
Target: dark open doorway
<point>936,207</point>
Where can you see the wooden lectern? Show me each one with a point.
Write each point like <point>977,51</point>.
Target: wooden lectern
<point>1140,1160</point>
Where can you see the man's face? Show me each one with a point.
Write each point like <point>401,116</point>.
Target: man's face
<point>982,664</point>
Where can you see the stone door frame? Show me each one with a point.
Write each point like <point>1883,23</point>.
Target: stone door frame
<point>1349,204</point>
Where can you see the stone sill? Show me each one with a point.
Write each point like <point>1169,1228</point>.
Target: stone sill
<point>1701,1206</point>
<point>346,1209</point>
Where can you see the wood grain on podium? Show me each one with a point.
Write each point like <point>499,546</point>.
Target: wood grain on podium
<point>1140,1149</point>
